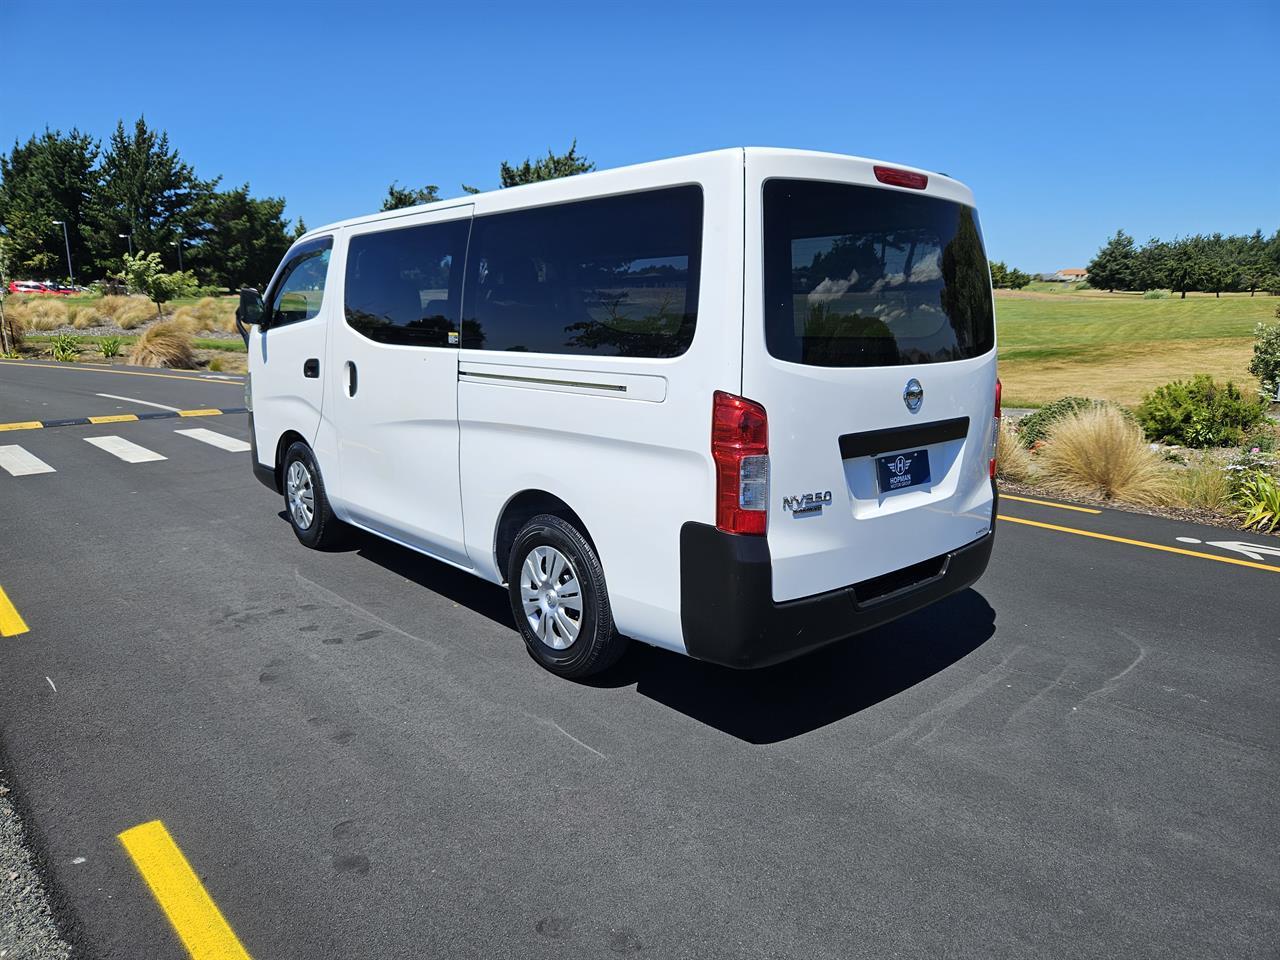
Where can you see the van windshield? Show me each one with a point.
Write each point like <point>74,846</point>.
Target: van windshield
<point>863,276</point>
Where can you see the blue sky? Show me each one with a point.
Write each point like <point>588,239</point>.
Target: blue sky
<point>1069,120</point>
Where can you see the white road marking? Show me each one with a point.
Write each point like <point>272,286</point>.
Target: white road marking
<point>213,438</point>
<point>19,463</point>
<point>1254,551</point>
<point>145,403</point>
<point>55,689</point>
<point>126,450</point>
<point>1188,540</point>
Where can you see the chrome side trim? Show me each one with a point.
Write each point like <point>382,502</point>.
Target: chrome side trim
<point>617,387</point>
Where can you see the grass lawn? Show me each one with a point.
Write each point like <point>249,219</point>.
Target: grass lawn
<point>1120,346</point>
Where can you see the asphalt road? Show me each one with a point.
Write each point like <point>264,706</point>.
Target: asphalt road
<point>1077,758</point>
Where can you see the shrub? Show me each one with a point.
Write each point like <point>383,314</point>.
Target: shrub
<point>1258,494</point>
<point>125,312</point>
<point>208,313</point>
<point>39,313</point>
<point>65,347</point>
<point>211,291</point>
<point>1013,462</point>
<point>1034,427</point>
<point>1204,485</point>
<point>215,365</point>
<point>1100,452</point>
<point>110,346</point>
<point>163,344</point>
<point>1265,364</point>
<point>1199,413</point>
<point>1156,295</point>
<point>1262,438</point>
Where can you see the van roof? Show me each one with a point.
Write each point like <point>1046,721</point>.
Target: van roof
<point>552,190</point>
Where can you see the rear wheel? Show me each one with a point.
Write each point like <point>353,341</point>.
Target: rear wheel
<point>305,500</point>
<point>559,599</point>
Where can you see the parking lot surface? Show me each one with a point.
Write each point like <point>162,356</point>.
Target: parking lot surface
<point>356,758</point>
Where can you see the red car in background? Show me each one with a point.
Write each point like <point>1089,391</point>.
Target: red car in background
<point>33,286</point>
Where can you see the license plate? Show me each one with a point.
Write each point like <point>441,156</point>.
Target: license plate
<point>902,470</point>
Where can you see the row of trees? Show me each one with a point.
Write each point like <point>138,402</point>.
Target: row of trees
<point>1008,278</point>
<point>135,194</point>
<point>1211,264</point>
<point>550,167</point>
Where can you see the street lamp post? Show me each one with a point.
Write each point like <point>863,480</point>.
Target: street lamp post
<point>129,237</point>
<point>70,273</point>
<point>178,243</point>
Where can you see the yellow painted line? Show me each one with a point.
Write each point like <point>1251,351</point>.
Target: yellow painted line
<point>1143,543</point>
<point>22,425</point>
<point>206,412</point>
<point>1047,503</point>
<point>115,418</point>
<point>195,917</point>
<point>122,373</point>
<point>11,622</point>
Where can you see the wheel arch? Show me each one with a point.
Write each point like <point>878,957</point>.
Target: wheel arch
<point>287,439</point>
<point>519,510</point>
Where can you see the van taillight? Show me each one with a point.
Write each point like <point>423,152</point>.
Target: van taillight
<point>740,448</point>
<point>995,432</point>
<point>901,178</point>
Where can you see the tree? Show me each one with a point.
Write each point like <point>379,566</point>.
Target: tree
<point>147,191</point>
<point>1185,268</point>
<point>399,197</point>
<point>243,238</point>
<point>999,273</point>
<point>550,167</point>
<point>145,273</point>
<point>8,335</point>
<point>50,177</point>
<point>299,229</point>
<point>1016,279</point>
<point>1112,267</point>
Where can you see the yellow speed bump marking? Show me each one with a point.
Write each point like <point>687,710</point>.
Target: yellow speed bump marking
<point>1142,543</point>
<point>11,622</point>
<point>1048,503</point>
<point>22,425</point>
<point>206,412</point>
<point>114,418</point>
<point>195,917</point>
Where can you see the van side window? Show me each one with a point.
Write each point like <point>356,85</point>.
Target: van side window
<point>404,286</point>
<point>300,290</point>
<point>615,276</point>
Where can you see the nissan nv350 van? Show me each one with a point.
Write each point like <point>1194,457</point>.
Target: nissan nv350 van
<point>736,405</point>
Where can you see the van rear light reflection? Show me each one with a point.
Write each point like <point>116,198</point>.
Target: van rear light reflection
<point>740,449</point>
<point>901,178</point>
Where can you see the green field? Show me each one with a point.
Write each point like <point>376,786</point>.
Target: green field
<point>1120,346</point>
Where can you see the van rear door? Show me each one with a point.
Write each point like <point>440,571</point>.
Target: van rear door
<point>870,343</point>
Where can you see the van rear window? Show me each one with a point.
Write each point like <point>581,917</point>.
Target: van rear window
<point>863,277</point>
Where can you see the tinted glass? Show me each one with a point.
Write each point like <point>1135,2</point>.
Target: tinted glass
<point>616,276</point>
<point>861,276</point>
<point>404,286</point>
<point>300,290</point>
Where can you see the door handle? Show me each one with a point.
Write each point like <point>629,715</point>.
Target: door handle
<point>353,380</point>
<point>311,368</point>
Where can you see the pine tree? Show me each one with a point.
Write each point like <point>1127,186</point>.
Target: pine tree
<point>49,178</point>
<point>1113,266</point>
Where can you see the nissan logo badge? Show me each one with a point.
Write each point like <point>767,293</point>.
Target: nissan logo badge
<point>913,394</point>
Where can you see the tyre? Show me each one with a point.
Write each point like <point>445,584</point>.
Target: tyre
<point>559,600</point>
<point>305,501</point>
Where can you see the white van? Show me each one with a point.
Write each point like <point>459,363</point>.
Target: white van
<point>737,405</point>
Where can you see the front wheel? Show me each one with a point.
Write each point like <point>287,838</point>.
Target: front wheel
<point>559,600</point>
<point>305,501</point>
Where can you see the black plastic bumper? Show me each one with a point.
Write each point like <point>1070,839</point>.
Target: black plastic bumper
<point>728,615</point>
<point>266,475</point>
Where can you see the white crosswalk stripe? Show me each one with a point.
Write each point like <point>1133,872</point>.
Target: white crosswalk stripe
<point>126,450</point>
<point>219,440</point>
<point>19,463</point>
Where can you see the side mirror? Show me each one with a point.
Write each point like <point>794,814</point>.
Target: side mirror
<point>249,312</point>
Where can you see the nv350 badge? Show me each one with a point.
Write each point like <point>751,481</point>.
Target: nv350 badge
<point>807,502</point>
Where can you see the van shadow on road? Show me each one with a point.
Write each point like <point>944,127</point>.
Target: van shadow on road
<point>758,706</point>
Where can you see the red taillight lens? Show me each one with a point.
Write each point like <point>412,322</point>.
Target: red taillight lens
<point>901,178</point>
<point>740,448</point>
<point>995,433</point>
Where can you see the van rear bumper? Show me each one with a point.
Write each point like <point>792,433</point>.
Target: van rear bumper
<point>728,615</point>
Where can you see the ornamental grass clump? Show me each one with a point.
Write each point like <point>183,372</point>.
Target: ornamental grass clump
<point>209,313</point>
<point>1013,460</point>
<point>125,312</point>
<point>164,344</point>
<point>1098,452</point>
<point>1203,485</point>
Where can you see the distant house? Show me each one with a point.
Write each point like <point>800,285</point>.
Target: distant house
<point>1071,275</point>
